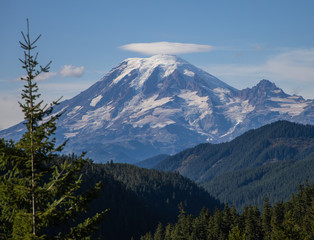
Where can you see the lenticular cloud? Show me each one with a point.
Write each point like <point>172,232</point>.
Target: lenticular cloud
<point>166,48</point>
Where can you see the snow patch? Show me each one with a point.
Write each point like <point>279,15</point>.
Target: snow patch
<point>188,73</point>
<point>55,114</point>
<point>74,111</point>
<point>148,111</point>
<point>290,105</point>
<point>231,130</point>
<point>20,130</point>
<point>71,134</point>
<point>237,109</point>
<point>277,91</point>
<point>141,106</point>
<point>145,66</point>
<point>222,94</point>
<point>93,119</point>
<point>95,101</point>
<point>153,121</point>
<point>196,103</point>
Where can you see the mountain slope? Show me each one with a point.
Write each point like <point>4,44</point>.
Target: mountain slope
<point>270,161</point>
<point>151,162</point>
<point>163,105</point>
<point>271,143</point>
<point>277,181</point>
<point>139,199</point>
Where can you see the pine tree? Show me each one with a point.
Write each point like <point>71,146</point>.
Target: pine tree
<point>266,219</point>
<point>200,223</point>
<point>38,194</point>
<point>11,186</point>
<point>159,233</point>
<point>235,234</point>
<point>168,231</point>
<point>277,220</point>
<point>252,226</point>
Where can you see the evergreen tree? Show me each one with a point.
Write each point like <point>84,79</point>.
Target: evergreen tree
<point>200,224</point>
<point>168,231</point>
<point>277,220</point>
<point>235,234</point>
<point>183,226</point>
<point>283,221</point>
<point>266,219</point>
<point>159,234</point>
<point>38,195</point>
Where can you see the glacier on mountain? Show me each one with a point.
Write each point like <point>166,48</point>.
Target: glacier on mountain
<point>162,105</point>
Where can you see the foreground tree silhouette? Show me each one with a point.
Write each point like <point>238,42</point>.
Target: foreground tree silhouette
<point>41,198</point>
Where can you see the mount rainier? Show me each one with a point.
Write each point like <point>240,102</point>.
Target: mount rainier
<point>163,104</point>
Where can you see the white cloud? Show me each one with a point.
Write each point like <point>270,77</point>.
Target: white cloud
<point>294,65</point>
<point>66,71</point>
<point>166,48</point>
<point>46,75</point>
<point>291,70</point>
<point>41,77</point>
<point>71,71</point>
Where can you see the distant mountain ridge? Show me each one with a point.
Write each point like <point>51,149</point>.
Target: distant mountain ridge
<point>162,105</point>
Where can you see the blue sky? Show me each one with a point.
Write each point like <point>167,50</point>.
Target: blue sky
<point>240,42</point>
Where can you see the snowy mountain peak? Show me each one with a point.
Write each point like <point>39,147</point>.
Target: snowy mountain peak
<point>142,68</point>
<point>163,104</point>
<point>160,59</point>
<point>137,71</point>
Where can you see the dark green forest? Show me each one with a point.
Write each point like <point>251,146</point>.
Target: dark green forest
<point>278,141</point>
<point>293,220</point>
<point>139,198</point>
<point>270,161</point>
<point>250,186</point>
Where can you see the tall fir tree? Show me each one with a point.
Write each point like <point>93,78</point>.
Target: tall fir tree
<point>41,197</point>
<point>266,219</point>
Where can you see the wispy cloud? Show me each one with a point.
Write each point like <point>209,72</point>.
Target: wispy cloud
<point>41,77</point>
<point>166,48</point>
<point>46,75</point>
<point>71,71</point>
<point>294,69</point>
<point>294,65</point>
<point>65,71</point>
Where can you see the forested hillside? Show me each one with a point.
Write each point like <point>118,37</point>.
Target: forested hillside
<point>139,199</point>
<point>274,142</point>
<point>250,186</point>
<point>284,220</point>
<point>151,162</point>
<point>269,161</point>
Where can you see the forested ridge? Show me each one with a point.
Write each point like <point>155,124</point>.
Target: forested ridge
<point>270,161</point>
<point>273,142</point>
<point>293,220</point>
<point>250,186</point>
<point>140,198</point>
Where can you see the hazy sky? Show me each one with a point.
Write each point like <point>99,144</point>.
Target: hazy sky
<point>240,42</point>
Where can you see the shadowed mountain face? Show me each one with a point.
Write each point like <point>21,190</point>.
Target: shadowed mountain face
<point>162,105</point>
